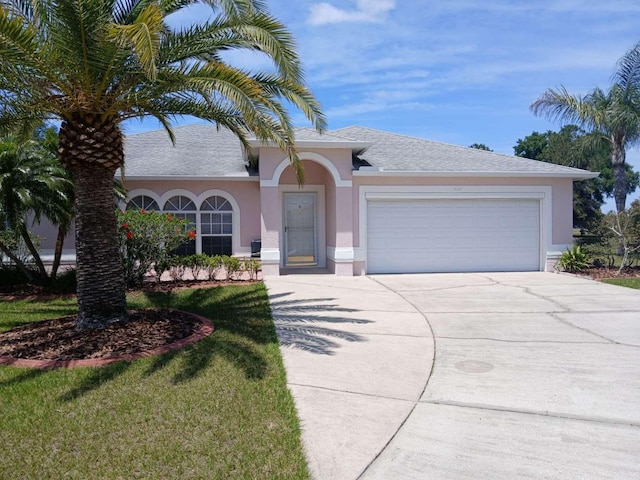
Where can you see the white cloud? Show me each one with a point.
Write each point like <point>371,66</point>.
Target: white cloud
<point>366,11</point>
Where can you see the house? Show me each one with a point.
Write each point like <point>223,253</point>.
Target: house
<point>372,201</point>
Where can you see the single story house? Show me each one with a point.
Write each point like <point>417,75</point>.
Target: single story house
<point>372,201</point>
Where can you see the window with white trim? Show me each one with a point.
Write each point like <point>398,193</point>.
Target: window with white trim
<point>183,207</point>
<point>216,226</point>
<point>143,202</point>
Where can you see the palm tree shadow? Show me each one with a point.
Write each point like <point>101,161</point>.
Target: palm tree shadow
<point>310,324</point>
<point>95,379</point>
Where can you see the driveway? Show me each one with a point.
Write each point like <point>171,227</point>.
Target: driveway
<point>462,376</point>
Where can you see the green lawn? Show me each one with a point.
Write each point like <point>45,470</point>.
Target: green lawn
<point>624,282</point>
<point>217,410</point>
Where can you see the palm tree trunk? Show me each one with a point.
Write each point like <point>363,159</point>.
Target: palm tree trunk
<point>101,284</point>
<point>619,175</point>
<point>19,263</point>
<point>57,254</point>
<point>33,251</point>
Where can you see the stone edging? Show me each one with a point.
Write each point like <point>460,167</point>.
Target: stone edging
<point>206,328</point>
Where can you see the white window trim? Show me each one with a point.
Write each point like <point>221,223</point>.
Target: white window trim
<point>235,219</point>
<point>236,248</point>
<point>389,192</point>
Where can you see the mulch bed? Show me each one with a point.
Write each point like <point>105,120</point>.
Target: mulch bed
<point>598,273</point>
<point>56,343</point>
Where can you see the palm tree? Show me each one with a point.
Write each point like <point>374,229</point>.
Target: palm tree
<point>32,182</point>
<point>614,114</point>
<point>96,63</point>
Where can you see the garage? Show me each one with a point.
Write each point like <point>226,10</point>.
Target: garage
<point>453,235</point>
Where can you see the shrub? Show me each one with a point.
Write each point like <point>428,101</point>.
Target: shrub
<point>178,267</point>
<point>232,266</point>
<point>196,262</point>
<point>65,282</point>
<point>10,276</point>
<point>146,239</point>
<point>213,266</point>
<point>574,259</point>
<point>252,266</point>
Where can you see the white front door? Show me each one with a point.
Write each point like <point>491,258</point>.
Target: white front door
<point>300,229</point>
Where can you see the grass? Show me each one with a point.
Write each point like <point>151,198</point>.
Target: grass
<point>219,409</point>
<point>624,282</point>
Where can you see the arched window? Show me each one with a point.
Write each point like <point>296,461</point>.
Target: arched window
<point>143,202</point>
<point>182,207</point>
<point>216,225</point>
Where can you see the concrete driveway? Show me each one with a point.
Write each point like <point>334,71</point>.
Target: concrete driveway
<point>456,376</point>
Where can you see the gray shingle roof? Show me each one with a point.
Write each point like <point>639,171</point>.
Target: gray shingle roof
<point>204,151</point>
<point>392,152</point>
<point>199,151</point>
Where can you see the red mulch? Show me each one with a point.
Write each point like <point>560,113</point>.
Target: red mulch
<point>56,343</point>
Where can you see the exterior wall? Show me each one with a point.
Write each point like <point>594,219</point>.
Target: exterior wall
<point>327,172</point>
<point>560,205</point>
<point>246,195</point>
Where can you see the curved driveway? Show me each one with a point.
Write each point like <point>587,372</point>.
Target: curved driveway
<point>488,375</point>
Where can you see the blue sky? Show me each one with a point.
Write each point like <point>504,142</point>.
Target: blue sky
<point>455,71</point>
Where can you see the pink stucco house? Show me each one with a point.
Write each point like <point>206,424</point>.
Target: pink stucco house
<point>372,201</point>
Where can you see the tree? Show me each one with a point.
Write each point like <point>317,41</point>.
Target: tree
<point>614,115</point>
<point>480,146</point>
<point>32,182</point>
<point>573,147</point>
<point>94,64</point>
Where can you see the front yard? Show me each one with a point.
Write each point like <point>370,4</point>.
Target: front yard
<point>219,409</point>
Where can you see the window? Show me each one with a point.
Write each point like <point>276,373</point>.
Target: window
<point>143,202</point>
<point>182,207</point>
<point>216,225</point>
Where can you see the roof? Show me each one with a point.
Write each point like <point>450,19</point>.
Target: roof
<point>393,153</point>
<point>204,151</point>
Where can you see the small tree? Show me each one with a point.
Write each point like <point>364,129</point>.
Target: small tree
<point>626,227</point>
<point>146,239</point>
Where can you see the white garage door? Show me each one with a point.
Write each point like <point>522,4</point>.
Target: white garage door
<point>467,235</point>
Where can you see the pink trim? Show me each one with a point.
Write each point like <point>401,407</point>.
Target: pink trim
<point>206,328</point>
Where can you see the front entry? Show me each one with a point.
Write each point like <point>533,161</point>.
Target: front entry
<point>300,229</point>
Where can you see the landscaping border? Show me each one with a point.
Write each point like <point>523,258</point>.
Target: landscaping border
<point>205,329</point>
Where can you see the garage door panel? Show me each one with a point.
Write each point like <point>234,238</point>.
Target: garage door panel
<point>453,235</point>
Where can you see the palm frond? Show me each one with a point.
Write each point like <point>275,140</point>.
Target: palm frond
<point>143,36</point>
<point>627,74</point>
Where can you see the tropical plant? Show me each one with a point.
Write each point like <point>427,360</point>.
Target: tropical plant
<point>574,259</point>
<point>94,64</point>
<point>32,185</point>
<point>573,147</point>
<point>615,114</point>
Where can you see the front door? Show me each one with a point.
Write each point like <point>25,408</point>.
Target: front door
<point>300,229</point>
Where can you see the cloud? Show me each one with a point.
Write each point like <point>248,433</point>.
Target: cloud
<point>367,11</point>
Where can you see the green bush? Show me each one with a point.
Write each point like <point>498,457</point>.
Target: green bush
<point>65,282</point>
<point>252,266</point>
<point>232,266</point>
<point>574,259</point>
<point>147,239</point>
<point>197,263</point>
<point>213,266</point>
<point>10,276</point>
